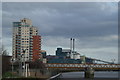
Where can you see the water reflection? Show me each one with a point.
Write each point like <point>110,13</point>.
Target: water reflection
<point>104,75</point>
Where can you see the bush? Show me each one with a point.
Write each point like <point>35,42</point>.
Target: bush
<point>7,74</point>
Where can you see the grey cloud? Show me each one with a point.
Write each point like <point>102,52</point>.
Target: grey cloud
<point>87,22</point>
<point>65,17</point>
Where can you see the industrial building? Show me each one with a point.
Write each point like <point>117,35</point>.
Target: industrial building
<point>63,53</point>
<point>63,56</point>
<point>68,55</point>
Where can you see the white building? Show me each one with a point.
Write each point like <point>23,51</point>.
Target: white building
<point>76,56</point>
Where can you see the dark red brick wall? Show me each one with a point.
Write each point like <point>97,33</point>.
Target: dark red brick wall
<point>36,47</point>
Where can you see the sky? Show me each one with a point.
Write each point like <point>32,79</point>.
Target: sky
<point>94,25</point>
<point>60,1</point>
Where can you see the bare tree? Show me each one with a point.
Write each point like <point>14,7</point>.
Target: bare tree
<point>3,51</point>
<point>37,65</point>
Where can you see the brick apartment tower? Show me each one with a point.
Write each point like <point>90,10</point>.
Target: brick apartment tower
<point>25,37</point>
<point>36,47</point>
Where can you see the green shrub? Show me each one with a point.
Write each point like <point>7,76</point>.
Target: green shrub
<point>7,74</point>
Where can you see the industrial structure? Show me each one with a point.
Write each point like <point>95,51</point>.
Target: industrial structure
<point>68,55</point>
<point>26,40</point>
<point>64,56</point>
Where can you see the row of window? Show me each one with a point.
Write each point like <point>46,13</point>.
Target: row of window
<point>25,33</point>
<point>25,41</point>
<point>24,44</point>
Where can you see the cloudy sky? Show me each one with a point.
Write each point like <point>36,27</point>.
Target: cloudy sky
<point>94,26</point>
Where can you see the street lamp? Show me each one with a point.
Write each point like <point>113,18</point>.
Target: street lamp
<point>20,64</point>
<point>24,50</point>
<point>12,61</point>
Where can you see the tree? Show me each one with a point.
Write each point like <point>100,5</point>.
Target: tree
<point>5,58</point>
<point>3,51</point>
<point>37,65</point>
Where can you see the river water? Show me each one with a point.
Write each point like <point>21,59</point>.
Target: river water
<point>97,74</point>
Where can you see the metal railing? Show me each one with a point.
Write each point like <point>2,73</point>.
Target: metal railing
<point>58,65</point>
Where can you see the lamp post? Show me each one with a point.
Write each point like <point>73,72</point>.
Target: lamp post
<point>24,50</point>
<point>26,64</point>
<point>20,64</point>
<point>12,61</point>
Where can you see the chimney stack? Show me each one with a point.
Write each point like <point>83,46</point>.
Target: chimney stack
<point>73,45</point>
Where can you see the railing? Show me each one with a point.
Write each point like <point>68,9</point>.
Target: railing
<point>65,65</point>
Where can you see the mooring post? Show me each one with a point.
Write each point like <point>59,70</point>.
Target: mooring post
<point>89,72</point>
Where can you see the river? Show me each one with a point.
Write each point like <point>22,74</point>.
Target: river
<point>97,74</point>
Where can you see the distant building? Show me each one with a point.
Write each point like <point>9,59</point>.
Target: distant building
<point>83,59</point>
<point>60,60</point>
<point>76,56</point>
<point>89,60</point>
<point>25,37</point>
<point>63,53</point>
<point>49,57</point>
<point>43,52</point>
<point>62,56</point>
<point>44,56</point>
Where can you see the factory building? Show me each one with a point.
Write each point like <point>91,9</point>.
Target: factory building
<point>68,55</point>
<point>63,56</point>
<point>59,60</point>
<point>88,60</point>
<point>76,55</point>
<point>63,53</point>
